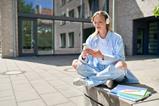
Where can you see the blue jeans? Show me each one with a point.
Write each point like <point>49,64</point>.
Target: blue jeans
<point>96,76</point>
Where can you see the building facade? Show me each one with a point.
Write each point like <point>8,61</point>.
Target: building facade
<point>139,28</point>
<point>49,27</point>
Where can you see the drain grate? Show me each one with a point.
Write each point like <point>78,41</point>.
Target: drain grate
<point>15,72</point>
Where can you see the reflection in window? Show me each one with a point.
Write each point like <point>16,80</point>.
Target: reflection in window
<point>68,37</point>
<point>44,7</point>
<point>63,40</point>
<point>25,7</point>
<point>71,8</point>
<point>91,6</point>
<point>71,39</point>
<point>44,36</point>
<point>27,35</point>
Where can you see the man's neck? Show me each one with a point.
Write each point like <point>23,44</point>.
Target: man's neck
<point>103,34</point>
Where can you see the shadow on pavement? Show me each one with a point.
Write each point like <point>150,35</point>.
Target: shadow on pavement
<point>141,57</point>
<point>60,60</point>
<point>66,60</point>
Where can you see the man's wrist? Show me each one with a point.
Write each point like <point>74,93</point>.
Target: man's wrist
<point>102,57</point>
<point>83,58</point>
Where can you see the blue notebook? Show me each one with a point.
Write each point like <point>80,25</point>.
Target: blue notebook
<point>129,90</point>
<point>133,98</point>
<point>132,93</point>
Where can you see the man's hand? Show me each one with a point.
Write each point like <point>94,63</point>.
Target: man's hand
<point>84,54</point>
<point>94,53</point>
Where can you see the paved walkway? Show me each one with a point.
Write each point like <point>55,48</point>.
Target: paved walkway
<point>47,81</point>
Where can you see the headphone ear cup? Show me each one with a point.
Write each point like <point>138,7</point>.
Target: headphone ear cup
<point>107,21</point>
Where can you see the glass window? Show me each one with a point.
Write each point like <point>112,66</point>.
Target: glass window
<point>44,36</point>
<point>27,37</point>
<point>153,38</point>
<point>63,2</point>
<point>71,13</point>
<point>63,40</point>
<point>44,7</point>
<point>63,22</point>
<point>79,11</point>
<point>70,8</point>
<point>71,39</point>
<point>91,6</point>
<point>87,9</point>
<point>140,41</point>
<point>68,37</point>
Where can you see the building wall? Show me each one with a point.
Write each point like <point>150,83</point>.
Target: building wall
<point>9,28</point>
<point>0,27</point>
<point>126,12</point>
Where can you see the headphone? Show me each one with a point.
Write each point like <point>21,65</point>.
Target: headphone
<point>105,14</point>
<point>107,21</point>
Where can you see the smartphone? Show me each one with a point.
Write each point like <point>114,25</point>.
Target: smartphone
<point>85,46</point>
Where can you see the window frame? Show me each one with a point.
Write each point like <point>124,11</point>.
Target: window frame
<point>71,39</point>
<point>63,40</point>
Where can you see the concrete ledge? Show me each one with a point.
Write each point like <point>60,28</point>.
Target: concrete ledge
<point>101,97</point>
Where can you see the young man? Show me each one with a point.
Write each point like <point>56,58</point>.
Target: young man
<point>103,60</point>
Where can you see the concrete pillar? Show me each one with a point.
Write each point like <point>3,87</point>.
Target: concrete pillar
<point>113,15</point>
<point>9,28</point>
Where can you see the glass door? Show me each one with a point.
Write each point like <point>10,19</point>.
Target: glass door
<point>140,41</point>
<point>153,38</point>
<point>27,44</point>
<point>44,37</point>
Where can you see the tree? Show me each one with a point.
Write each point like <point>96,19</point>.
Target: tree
<point>23,7</point>
<point>156,11</point>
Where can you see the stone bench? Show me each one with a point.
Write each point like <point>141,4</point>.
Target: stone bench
<point>100,96</point>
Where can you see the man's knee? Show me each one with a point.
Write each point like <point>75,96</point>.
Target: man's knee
<point>74,63</point>
<point>121,65</point>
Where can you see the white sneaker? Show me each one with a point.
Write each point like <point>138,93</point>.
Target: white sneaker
<point>79,82</point>
<point>109,83</point>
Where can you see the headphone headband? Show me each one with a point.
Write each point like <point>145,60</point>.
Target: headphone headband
<point>105,14</point>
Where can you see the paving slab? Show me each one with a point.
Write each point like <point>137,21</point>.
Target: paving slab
<point>47,80</point>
